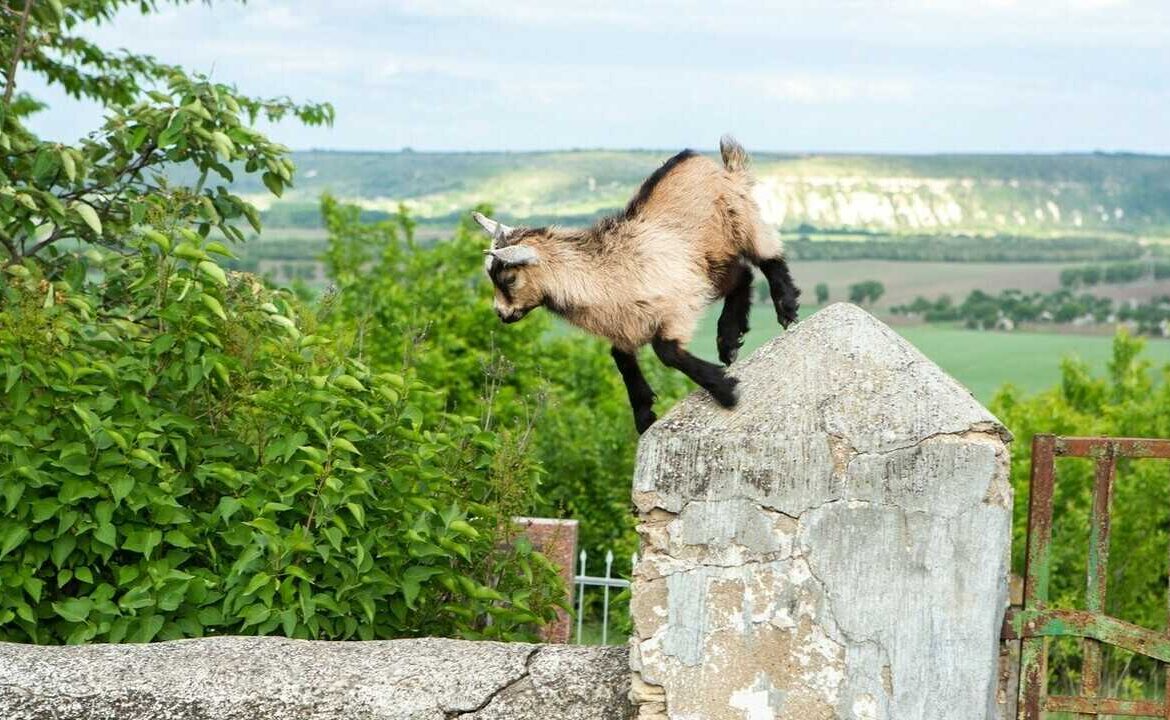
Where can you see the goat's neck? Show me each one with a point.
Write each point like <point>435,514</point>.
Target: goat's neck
<point>573,280</point>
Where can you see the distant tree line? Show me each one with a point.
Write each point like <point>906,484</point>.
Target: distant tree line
<point>983,311</point>
<point>1117,273</point>
<point>964,248</point>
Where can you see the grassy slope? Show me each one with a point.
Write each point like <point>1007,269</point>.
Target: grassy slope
<point>982,361</point>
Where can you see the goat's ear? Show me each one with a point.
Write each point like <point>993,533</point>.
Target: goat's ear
<point>515,255</point>
<point>496,229</point>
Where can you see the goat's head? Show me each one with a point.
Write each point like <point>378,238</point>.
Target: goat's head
<point>513,266</point>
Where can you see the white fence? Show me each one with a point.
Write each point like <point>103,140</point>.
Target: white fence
<point>583,579</point>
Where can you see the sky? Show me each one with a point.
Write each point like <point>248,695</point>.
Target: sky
<point>886,76</point>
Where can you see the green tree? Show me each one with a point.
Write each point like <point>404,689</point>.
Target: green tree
<point>107,187</point>
<point>867,291</point>
<point>822,291</point>
<point>1129,400</point>
<point>184,451</point>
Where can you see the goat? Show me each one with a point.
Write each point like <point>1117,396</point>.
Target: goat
<point>646,274</point>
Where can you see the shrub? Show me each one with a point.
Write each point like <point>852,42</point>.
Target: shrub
<point>184,453</point>
<point>430,307</point>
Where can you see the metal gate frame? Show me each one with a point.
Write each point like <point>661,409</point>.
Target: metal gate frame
<point>1036,622</point>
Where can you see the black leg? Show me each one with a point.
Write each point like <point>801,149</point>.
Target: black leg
<point>640,392</point>
<point>709,376</point>
<point>733,321</point>
<point>784,291</point>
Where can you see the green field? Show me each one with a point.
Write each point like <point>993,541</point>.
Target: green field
<point>982,361</point>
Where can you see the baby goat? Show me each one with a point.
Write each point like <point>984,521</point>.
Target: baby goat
<point>646,274</point>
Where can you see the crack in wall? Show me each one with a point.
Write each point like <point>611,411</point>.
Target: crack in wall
<point>451,714</point>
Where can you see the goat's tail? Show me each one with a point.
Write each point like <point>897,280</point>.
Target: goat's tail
<point>735,158</point>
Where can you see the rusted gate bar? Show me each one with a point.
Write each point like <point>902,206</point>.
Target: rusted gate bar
<point>1035,623</point>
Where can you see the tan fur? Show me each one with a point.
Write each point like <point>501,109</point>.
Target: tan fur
<point>654,270</point>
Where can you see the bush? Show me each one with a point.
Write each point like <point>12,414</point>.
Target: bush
<point>1127,402</point>
<point>186,454</point>
<point>430,307</point>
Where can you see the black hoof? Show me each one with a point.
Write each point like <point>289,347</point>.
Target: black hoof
<point>644,419</point>
<point>725,393</point>
<point>728,351</point>
<point>786,312</point>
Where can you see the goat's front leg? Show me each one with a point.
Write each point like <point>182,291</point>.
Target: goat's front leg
<point>709,376</point>
<point>640,392</point>
<point>733,321</point>
<point>783,289</point>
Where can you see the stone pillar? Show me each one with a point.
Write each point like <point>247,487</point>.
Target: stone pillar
<point>556,540</point>
<point>835,547</point>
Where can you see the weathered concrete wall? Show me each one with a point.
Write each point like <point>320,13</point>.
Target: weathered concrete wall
<point>835,547</point>
<point>236,678</point>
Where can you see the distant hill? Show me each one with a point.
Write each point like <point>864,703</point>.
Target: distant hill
<point>1018,195</point>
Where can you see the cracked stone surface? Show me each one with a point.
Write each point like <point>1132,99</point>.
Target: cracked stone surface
<point>835,547</point>
<point>246,678</point>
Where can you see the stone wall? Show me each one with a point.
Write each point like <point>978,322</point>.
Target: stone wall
<point>835,547</point>
<point>237,678</point>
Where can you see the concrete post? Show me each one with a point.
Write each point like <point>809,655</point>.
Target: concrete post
<point>835,547</point>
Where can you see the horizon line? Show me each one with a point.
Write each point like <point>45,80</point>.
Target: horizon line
<point>406,150</point>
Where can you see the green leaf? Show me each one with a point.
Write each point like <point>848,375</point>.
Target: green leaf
<point>75,461</point>
<point>256,614</point>
<point>74,610</point>
<point>121,487</point>
<point>274,184</point>
<point>345,445</point>
<point>213,305</point>
<point>288,622</point>
<point>464,528</point>
<point>89,215</point>
<point>143,541</point>
<point>349,382</point>
<point>178,538</point>
<point>106,534</point>
<point>358,512</point>
<point>213,271</point>
<point>148,628</point>
<point>136,598</point>
<point>68,164</point>
<point>62,548</point>
<point>258,581</point>
<point>13,536</point>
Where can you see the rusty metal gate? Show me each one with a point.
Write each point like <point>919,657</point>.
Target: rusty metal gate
<point>1035,623</point>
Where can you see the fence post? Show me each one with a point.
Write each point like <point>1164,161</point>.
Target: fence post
<point>835,547</point>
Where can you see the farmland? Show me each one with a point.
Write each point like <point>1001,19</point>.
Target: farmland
<point>981,361</point>
<point>1055,212</point>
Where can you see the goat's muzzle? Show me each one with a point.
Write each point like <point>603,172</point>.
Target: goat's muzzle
<point>511,317</point>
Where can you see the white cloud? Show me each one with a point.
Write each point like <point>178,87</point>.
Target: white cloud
<point>874,74</point>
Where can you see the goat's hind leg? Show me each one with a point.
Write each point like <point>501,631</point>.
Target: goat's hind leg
<point>784,292</point>
<point>709,376</point>
<point>640,392</point>
<point>733,321</point>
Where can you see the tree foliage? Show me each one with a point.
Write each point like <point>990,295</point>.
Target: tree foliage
<point>866,291</point>
<point>558,390</point>
<point>184,451</point>
<point>111,183</point>
<point>1132,399</point>
<point>185,454</point>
